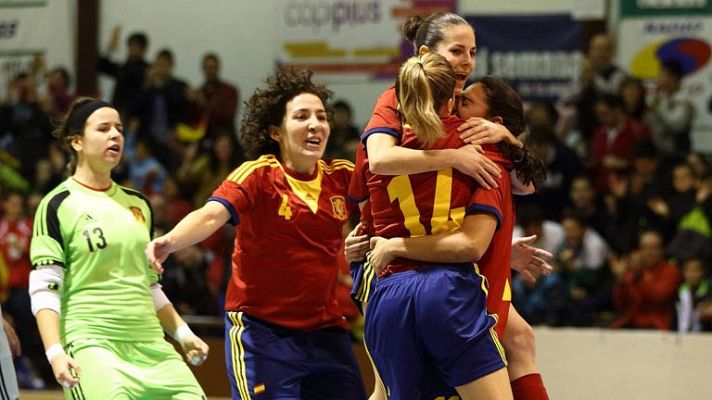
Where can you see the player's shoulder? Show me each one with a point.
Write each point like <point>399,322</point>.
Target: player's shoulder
<point>336,165</point>
<point>133,193</point>
<point>54,198</point>
<point>265,164</point>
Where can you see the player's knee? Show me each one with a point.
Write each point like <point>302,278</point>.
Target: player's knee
<point>520,342</point>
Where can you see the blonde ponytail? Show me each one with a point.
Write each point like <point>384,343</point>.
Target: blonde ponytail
<point>424,85</point>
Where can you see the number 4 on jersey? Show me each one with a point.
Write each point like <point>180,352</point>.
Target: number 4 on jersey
<point>284,209</point>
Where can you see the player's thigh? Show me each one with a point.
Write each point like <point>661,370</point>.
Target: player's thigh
<point>333,370</point>
<point>263,360</point>
<point>169,377</point>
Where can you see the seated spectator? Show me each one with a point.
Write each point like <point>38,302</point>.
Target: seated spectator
<point>542,301</point>
<point>632,94</point>
<point>15,267</point>
<point>531,221</point>
<point>693,294</point>
<point>146,174</point>
<point>580,260</point>
<point>186,284</point>
<point>693,233</point>
<point>674,206</point>
<point>584,202</point>
<point>646,286</point>
<point>203,173</point>
<point>562,165</point>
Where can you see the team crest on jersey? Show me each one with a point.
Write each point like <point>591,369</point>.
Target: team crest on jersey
<point>338,206</point>
<point>138,214</point>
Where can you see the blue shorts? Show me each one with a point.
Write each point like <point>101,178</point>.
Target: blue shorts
<point>364,282</point>
<point>265,361</point>
<point>431,318</point>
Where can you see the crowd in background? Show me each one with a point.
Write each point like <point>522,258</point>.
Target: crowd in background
<point>626,208</point>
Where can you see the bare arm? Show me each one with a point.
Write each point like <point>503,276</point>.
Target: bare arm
<point>66,370</point>
<point>193,228</point>
<point>385,157</point>
<point>465,244</point>
<point>195,349</point>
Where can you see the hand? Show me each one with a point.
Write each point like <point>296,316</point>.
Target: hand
<point>157,251</point>
<point>195,349</point>
<point>355,247</point>
<point>530,261</point>
<point>12,339</point>
<point>659,207</point>
<point>379,257</point>
<point>66,370</point>
<point>470,161</point>
<point>482,131</point>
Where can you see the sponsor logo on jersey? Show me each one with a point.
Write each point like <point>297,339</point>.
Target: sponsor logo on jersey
<point>138,214</point>
<point>338,206</point>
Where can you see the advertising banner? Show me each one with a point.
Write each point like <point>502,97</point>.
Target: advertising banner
<point>655,31</point>
<point>540,56</point>
<point>348,40</point>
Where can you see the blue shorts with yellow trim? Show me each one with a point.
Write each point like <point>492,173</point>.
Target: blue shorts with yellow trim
<point>364,282</point>
<point>432,318</point>
<point>265,361</point>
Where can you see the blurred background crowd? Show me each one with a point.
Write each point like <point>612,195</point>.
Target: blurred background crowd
<point>626,209</point>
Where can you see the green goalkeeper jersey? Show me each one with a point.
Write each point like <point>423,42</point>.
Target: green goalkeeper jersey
<point>99,238</point>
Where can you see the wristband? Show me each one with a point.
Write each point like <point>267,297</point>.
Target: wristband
<point>182,332</point>
<point>53,351</point>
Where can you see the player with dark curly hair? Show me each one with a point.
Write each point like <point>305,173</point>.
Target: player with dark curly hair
<point>285,335</point>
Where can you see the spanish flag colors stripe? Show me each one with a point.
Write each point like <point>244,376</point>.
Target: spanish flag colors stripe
<point>238,354</point>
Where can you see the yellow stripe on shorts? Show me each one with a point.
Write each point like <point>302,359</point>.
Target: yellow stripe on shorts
<point>238,354</point>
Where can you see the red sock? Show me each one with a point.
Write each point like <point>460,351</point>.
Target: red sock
<point>529,387</point>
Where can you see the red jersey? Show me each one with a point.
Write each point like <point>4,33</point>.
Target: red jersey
<point>15,252</point>
<point>288,242</point>
<point>496,263</point>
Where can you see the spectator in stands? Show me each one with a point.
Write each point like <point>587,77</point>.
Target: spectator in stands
<point>345,136</point>
<point>613,140</point>
<point>531,221</point>
<point>672,112</point>
<point>581,259</point>
<point>146,174</point>
<point>672,207</point>
<point>693,295</point>
<point>599,76</point>
<point>699,163</point>
<point>646,286</point>
<point>24,124</point>
<point>542,301</point>
<point>585,202</point>
<point>632,94</point>
<point>562,165</point>
<point>161,107</point>
<point>219,100</point>
<point>185,282</point>
<point>15,267</point>
<point>203,173</point>
<point>129,76</point>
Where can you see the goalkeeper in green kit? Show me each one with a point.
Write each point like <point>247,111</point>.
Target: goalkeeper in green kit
<point>99,308</point>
